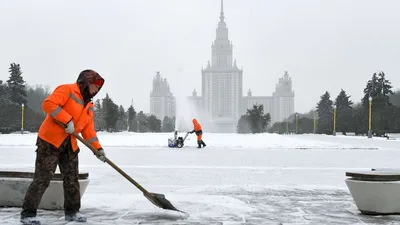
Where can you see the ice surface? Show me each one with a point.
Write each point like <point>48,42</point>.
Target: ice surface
<point>236,179</point>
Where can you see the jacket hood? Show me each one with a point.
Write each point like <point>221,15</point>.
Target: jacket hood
<point>85,78</point>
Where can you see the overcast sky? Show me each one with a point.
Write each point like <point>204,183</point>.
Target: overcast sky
<point>325,45</point>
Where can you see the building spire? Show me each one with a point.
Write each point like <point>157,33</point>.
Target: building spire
<point>221,17</point>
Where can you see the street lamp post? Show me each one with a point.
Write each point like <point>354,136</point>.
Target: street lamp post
<point>334,120</point>
<point>22,118</point>
<point>370,118</point>
<point>287,126</point>
<point>297,117</point>
<point>315,122</point>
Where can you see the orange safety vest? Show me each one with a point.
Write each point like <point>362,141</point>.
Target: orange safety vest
<point>64,104</point>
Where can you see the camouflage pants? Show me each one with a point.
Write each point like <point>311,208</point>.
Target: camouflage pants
<point>47,158</point>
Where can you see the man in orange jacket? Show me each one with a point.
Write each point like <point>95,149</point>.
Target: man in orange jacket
<point>70,104</point>
<point>199,132</point>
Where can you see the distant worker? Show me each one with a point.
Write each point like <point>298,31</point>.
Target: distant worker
<point>199,133</point>
<point>175,137</point>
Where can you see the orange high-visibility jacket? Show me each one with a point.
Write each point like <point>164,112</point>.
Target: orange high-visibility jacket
<point>64,104</point>
<point>197,127</point>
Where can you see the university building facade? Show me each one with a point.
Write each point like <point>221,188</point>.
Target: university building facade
<point>222,97</point>
<point>162,101</point>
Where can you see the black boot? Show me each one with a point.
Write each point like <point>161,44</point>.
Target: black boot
<point>199,143</point>
<point>204,144</point>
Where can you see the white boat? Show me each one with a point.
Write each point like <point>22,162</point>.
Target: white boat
<point>13,186</point>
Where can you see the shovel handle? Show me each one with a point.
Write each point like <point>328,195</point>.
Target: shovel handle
<point>111,164</point>
<point>94,150</point>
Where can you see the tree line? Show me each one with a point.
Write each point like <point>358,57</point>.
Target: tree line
<point>108,116</point>
<point>350,116</point>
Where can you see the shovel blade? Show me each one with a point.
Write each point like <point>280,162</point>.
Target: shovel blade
<point>160,201</point>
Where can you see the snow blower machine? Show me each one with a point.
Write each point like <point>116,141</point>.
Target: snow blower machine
<point>177,142</point>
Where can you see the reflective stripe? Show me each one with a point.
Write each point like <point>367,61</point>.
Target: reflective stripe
<point>93,139</point>
<point>91,109</point>
<point>56,111</point>
<point>76,99</point>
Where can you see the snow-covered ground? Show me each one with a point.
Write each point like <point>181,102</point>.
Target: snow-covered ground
<point>236,179</point>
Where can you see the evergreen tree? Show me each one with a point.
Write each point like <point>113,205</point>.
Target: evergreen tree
<point>244,126</point>
<point>110,112</point>
<point>5,95</point>
<point>379,89</point>
<point>359,121</point>
<point>132,119</point>
<point>309,114</point>
<point>173,122</point>
<point>99,120</point>
<point>143,122</point>
<point>10,119</point>
<point>304,125</point>
<point>344,112</point>
<point>154,124</point>
<point>35,97</point>
<point>122,122</point>
<point>371,90</point>
<point>11,113</point>
<point>256,120</point>
<point>387,115</point>
<point>396,122</point>
<point>168,124</point>
<point>325,114</point>
<point>386,87</point>
<point>16,84</point>
<point>395,98</point>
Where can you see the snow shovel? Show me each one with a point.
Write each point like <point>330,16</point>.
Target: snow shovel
<point>157,199</point>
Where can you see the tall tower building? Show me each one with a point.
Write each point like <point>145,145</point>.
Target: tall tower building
<point>162,101</point>
<point>222,82</point>
<point>283,99</point>
<point>222,97</point>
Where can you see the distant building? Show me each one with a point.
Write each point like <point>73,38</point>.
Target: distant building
<point>280,105</point>
<point>222,88</point>
<point>195,100</point>
<point>283,97</point>
<point>222,82</point>
<point>250,100</point>
<point>162,101</point>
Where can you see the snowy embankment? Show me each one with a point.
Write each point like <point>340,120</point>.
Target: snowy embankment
<point>217,140</point>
